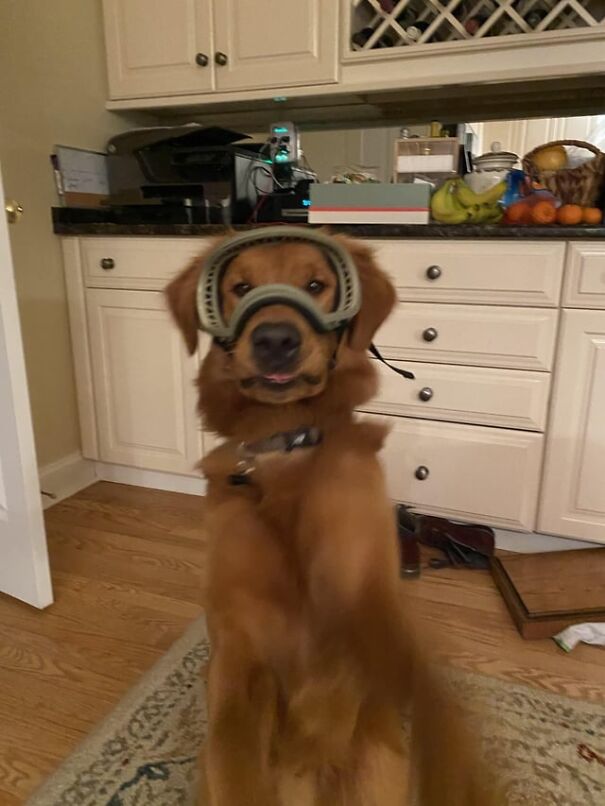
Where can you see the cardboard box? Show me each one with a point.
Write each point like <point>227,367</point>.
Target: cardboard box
<point>369,203</point>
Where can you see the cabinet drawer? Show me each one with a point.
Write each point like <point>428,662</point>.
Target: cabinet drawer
<point>488,475</point>
<point>585,279</point>
<point>136,263</point>
<point>501,397</point>
<point>475,335</point>
<point>499,272</point>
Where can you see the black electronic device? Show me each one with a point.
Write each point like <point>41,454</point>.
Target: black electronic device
<point>209,172</point>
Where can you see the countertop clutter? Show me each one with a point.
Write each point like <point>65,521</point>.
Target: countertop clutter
<point>85,221</point>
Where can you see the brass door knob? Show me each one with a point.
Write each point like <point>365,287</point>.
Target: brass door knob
<point>14,211</point>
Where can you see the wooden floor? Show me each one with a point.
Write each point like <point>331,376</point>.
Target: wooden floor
<point>126,568</point>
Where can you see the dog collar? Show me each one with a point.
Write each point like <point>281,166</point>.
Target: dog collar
<point>282,442</point>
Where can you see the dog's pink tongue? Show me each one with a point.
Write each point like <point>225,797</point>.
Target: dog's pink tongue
<point>279,378</point>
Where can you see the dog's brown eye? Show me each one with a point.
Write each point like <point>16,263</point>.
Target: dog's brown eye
<point>315,287</point>
<point>241,289</point>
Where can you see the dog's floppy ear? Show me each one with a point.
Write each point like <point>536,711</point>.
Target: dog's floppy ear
<point>377,294</point>
<point>181,296</point>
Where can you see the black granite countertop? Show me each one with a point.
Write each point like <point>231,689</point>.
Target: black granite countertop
<point>70,221</point>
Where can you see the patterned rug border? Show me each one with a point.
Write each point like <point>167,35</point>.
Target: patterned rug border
<point>193,648</point>
<point>194,633</point>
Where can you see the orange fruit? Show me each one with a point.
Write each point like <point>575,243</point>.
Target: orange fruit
<point>518,213</point>
<point>592,215</point>
<point>570,214</point>
<point>544,212</point>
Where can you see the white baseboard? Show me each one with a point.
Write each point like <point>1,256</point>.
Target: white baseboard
<point>529,542</point>
<point>156,480</point>
<point>65,477</point>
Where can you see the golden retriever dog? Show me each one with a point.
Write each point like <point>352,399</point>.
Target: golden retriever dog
<point>313,660</point>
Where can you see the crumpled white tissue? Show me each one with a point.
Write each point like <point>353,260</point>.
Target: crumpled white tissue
<point>587,633</point>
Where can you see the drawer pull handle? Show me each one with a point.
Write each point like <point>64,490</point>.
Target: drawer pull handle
<point>421,472</point>
<point>201,59</point>
<point>425,394</point>
<point>430,334</point>
<point>221,58</point>
<point>433,272</point>
<point>108,263</point>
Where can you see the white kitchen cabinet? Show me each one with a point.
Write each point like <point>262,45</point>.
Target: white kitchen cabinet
<point>275,43</point>
<point>474,335</point>
<point>466,472</point>
<point>573,494</point>
<point>144,394</point>
<point>187,47</point>
<point>506,47</point>
<point>489,272</point>
<point>483,379</point>
<point>158,48</point>
<point>585,280</point>
<point>142,264</point>
<point>505,398</point>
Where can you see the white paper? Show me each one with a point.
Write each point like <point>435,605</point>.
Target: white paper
<point>83,171</point>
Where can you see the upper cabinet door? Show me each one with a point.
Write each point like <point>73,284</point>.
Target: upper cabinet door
<point>158,48</point>
<point>275,43</point>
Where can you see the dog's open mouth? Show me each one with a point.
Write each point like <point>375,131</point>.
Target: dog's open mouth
<point>278,380</point>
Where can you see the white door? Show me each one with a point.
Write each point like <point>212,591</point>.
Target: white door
<point>24,569</point>
<point>155,47</point>
<point>275,43</point>
<point>143,383</point>
<point>573,493</point>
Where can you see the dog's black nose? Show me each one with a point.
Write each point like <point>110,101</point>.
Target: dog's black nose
<point>276,345</point>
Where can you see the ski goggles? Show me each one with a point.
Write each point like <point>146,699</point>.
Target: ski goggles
<point>212,320</point>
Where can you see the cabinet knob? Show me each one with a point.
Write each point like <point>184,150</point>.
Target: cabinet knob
<point>201,59</point>
<point>433,272</point>
<point>221,58</point>
<point>430,334</point>
<point>421,472</point>
<point>107,263</point>
<point>426,393</point>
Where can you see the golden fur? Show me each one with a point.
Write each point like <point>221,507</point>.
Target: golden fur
<point>312,657</point>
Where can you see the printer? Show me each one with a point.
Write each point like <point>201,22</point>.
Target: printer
<point>192,173</point>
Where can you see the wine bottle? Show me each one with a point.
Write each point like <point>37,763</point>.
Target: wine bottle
<point>360,38</point>
<point>534,17</point>
<point>416,29</point>
<point>472,24</point>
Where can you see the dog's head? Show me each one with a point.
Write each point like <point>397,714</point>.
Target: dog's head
<point>279,356</point>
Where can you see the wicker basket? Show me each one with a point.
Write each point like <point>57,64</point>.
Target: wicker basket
<point>580,185</point>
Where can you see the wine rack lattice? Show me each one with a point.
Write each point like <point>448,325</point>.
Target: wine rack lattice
<point>402,23</point>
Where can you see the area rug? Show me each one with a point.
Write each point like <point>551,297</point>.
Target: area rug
<point>550,750</point>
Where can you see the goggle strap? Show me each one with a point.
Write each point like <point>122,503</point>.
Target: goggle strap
<point>403,372</point>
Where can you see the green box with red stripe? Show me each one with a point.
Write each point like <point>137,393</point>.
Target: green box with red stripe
<point>369,203</point>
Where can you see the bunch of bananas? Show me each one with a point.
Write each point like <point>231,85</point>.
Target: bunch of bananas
<point>455,203</point>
